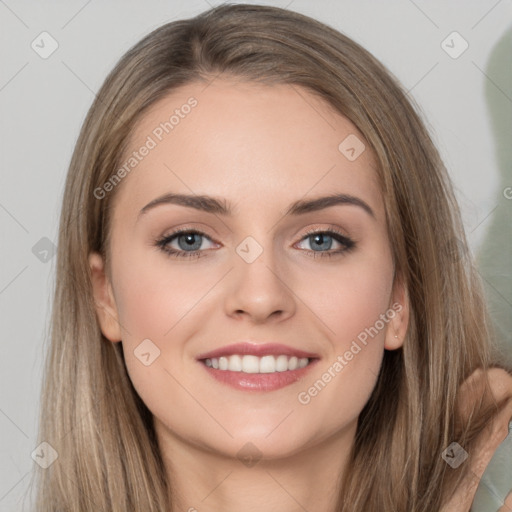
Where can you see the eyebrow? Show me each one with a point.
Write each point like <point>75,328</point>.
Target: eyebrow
<point>219,206</point>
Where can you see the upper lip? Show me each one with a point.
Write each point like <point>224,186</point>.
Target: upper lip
<point>256,349</point>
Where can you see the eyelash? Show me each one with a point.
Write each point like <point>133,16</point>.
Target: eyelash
<point>162,244</point>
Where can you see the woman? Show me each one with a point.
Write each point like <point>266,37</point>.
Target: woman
<point>256,371</point>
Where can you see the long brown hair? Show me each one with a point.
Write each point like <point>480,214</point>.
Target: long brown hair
<point>108,456</point>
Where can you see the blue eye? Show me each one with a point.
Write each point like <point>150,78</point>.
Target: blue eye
<point>324,240</point>
<point>192,239</point>
<point>187,239</point>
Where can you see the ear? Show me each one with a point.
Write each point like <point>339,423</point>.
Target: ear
<point>106,309</point>
<point>399,320</point>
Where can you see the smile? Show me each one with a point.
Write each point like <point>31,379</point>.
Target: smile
<point>255,364</point>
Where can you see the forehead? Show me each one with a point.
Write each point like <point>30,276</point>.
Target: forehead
<point>246,141</point>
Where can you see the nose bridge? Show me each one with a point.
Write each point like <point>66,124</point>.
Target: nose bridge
<point>260,288</point>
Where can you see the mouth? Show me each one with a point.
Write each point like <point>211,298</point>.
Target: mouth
<point>255,364</point>
<point>257,367</point>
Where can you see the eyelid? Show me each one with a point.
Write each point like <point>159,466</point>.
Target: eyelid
<point>331,230</point>
<point>175,233</point>
<point>334,232</point>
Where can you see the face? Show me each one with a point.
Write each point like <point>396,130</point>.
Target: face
<point>292,284</point>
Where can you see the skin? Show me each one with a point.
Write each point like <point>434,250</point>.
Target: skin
<point>488,441</point>
<point>261,148</point>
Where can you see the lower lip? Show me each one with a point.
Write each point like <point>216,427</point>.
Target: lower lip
<point>258,381</point>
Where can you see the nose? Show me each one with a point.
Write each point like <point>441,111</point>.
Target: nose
<point>260,290</point>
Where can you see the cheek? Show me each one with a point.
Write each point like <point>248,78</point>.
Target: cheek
<point>155,302</point>
<point>154,297</point>
<point>161,301</point>
<point>356,308</point>
<point>350,299</point>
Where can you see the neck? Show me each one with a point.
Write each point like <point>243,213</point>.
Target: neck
<point>203,480</point>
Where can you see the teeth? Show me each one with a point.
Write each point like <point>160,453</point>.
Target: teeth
<point>248,364</point>
<point>303,361</point>
<point>234,363</point>
<point>293,363</point>
<point>282,363</point>
<point>267,364</point>
<point>255,364</point>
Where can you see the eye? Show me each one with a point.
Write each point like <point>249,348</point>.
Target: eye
<point>189,243</point>
<point>324,240</point>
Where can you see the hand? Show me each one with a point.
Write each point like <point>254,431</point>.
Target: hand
<point>493,435</point>
<point>507,506</point>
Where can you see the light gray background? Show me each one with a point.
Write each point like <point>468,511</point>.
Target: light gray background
<point>466,100</point>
